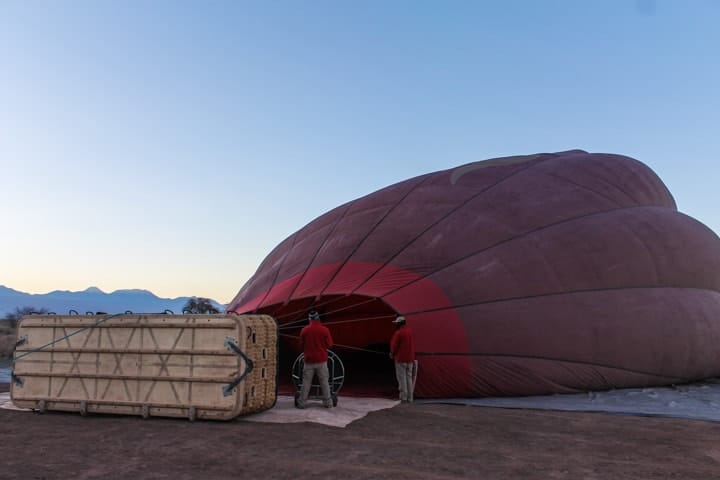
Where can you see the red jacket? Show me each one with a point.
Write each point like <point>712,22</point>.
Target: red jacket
<point>316,340</point>
<point>402,345</point>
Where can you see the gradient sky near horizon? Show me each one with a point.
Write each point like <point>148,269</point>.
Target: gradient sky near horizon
<point>170,145</point>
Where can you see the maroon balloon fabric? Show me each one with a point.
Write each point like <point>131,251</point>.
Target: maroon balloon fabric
<point>524,275</point>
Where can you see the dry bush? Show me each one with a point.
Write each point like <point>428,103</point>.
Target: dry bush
<point>7,344</point>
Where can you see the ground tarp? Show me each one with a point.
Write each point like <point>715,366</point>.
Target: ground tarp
<point>347,411</point>
<point>699,401</point>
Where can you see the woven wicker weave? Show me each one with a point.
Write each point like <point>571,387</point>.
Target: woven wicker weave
<point>191,366</point>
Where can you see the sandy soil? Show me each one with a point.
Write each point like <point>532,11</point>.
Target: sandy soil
<point>405,442</point>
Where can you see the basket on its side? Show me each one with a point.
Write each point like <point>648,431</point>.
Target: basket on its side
<point>194,366</point>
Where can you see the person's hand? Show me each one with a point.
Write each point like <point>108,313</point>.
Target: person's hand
<point>390,354</point>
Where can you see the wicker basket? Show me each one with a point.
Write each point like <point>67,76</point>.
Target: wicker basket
<point>194,366</point>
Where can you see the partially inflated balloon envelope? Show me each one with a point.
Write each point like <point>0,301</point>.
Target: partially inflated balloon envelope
<point>524,275</point>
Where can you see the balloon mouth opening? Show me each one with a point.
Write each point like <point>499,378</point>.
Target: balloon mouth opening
<point>361,328</point>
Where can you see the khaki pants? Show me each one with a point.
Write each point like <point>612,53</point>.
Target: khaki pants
<point>309,371</point>
<point>404,374</point>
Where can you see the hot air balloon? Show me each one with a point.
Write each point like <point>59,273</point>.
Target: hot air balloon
<point>546,273</point>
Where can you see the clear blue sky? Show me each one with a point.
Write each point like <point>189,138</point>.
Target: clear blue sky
<point>170,145</point>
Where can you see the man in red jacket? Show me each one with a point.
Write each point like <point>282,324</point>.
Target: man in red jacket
<point>316,340</point>
<point>402,350</point>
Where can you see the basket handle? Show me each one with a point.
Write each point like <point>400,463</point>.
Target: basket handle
<point>227,389</point>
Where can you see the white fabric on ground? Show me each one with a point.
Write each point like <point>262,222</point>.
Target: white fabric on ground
<point>699,401</point>
<point>347,411</point>
<point>7,404</point>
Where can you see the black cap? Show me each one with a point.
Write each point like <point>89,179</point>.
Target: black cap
<point>313,315</point>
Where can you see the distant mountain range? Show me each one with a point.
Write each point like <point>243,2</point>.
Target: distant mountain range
<point>92,300</point>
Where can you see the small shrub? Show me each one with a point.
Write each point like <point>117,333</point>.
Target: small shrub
<point>7,345</point>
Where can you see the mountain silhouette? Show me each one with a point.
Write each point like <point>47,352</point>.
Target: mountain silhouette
<point>92,299</point>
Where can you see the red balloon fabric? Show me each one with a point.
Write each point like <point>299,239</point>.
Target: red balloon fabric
<point>525,275</point>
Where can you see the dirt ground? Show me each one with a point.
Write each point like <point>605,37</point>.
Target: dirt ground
<point>406,442</point>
